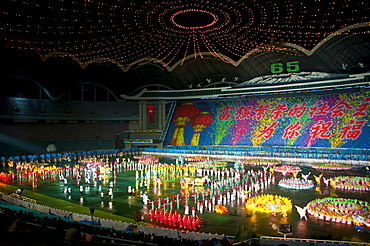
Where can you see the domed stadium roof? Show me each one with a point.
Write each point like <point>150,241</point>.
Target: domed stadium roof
<point>180,44</point>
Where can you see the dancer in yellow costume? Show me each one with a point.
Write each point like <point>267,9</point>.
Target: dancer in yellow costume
<point>272,169</point>
<point>318,179</point>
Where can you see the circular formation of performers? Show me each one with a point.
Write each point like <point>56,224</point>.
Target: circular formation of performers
<point>295,183</point>
<point>261,162</point>
<point>340,210</point>
<point>268,203</point>
<point>352,183</point>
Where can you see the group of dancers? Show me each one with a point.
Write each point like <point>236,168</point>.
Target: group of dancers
<point>225,186</point>
<point>175,219</point>
<point>340,210</point>
<point>268,203</point>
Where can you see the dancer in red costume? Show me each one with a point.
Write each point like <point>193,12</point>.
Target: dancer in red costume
<point>150,213</point>
<point>161,216</point>
<point>168,218</point>
<point>179,220</point>
<point>198,220</point>
<point>185,222</point>
<point>170,221</point>
<point>194,223</point>
<point>174,218</point>
<point>156,215</point>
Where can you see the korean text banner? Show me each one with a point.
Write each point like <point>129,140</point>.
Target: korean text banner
<point>329,121</point>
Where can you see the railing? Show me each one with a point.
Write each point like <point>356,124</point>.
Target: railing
<point>71,242</point>
<point>99,240</point>
<point>312,240</point>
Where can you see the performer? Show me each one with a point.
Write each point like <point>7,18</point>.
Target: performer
<point>305,176</point>
<point>193,211</point>
<point>265,169</point>
<point>178,201</point>
<point>161,215</point>
<point>318,179</point>
<point>152,204</point>
<point>156,215</point>
<point>185,222</point>
<point>110,193</point>
<point>333,183</point>
<point>272,169</point>
<point>174,218</point>
<point>165,217</point>
<point>326,181</point>
<point>201,207</point>
<point>302,212</point>
<point>78,178</point>
<point>179,220</point>
<point>150,213</point>
<point>295,173</point>
<point>186,209</point>
<point>145,198</point>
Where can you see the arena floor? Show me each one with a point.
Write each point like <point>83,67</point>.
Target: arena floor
<point>239,220</point>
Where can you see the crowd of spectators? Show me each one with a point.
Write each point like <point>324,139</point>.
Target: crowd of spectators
<point>27,227</point>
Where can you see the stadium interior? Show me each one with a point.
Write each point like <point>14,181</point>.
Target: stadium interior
<point>102,78</point>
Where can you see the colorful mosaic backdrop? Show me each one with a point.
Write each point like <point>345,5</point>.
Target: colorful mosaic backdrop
<point>330,121</point>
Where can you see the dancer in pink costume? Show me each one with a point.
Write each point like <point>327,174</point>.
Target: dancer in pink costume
<point>305,176</point>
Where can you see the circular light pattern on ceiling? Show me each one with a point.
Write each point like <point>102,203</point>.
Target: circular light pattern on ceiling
<point>193,19</point>
<point>127,31</point>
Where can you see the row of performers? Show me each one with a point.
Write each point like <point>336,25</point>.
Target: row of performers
<point>175,219</point>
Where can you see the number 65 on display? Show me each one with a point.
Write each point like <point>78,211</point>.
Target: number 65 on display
<point>292,66</point>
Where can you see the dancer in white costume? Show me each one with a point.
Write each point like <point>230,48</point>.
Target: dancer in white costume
<point>145,198</point>
<point>110,193</point>
<point>326,181</point>
<point>186,209</point>
<point>302,211</point>
<point>265,168</point>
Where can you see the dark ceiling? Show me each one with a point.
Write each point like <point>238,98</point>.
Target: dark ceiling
<point>180,44</point>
